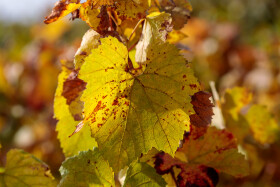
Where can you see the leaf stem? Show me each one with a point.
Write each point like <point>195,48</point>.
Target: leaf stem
<point>139,22</point>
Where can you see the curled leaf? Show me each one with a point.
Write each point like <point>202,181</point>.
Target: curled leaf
<point>61,9</point>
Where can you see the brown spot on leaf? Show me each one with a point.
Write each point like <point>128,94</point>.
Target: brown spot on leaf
<point>126,103</point>
<point>193,86</point>
<point>97,106</point>
<point>115,102</point>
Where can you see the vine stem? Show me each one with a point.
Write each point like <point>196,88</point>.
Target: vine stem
<point>139,22</point>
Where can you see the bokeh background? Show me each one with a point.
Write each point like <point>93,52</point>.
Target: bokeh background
<point>233,43</point>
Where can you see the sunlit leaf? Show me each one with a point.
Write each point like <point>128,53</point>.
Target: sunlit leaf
<point>129,114</point>
<point>86,169</point>
<point>66,122</point>
<point>62,8</point>
<point>141,174</point>
<point>89,15</point>
<point>216,149</point>
<point>23,169</point>
<point>155,30</point>
<point>89,42</point>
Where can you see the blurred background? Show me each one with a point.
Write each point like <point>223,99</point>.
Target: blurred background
<point>233,43</point>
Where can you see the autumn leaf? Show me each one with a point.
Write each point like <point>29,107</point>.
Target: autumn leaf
<point>66,121</point>
<point>61,9</point>
<point>141,174</point>
<point>129,114</point>
<point>23,169</point>
<point>178,173</point>
<point>86,169</point>
<point>203,109</point>
<point>155,30</point>
<point>216,149</point>
<point>90,16</point>
<point>89,42</point>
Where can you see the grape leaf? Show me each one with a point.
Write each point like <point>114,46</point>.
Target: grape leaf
<point>141,174</point>
<point>132,8</point>
<point>216,149</point>
<point>66,122</point>
<point>129,114</point>
<point>264,126</point>
<point>23,169</point>
<point>86,169</point>
<point>62,8</point>
<point>155,30</point>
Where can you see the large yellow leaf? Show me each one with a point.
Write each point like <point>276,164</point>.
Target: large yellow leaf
<point>129,114</point>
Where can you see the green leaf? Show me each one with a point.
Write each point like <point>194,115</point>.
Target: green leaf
<point>86,169</point>
<point>264,126</point>
<point>141,174</point>
<point>155,30</point>
<point>129,114</point>
<point>216,149</point>
<point>67,124</point>
<point>22,169</point>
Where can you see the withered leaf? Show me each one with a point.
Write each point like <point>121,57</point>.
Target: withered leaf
<point>188,175</point>
<point>203,109</point>
<point>61,9</point>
